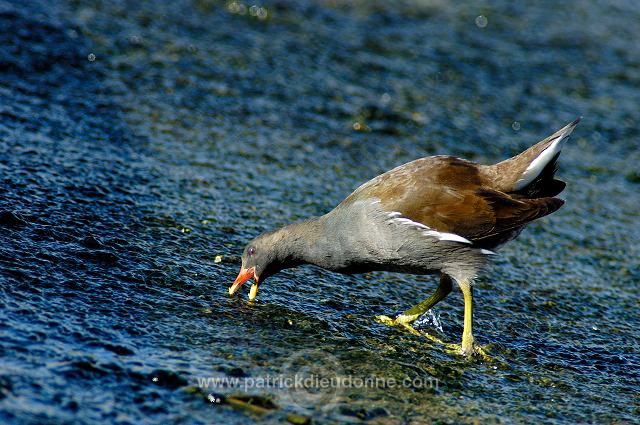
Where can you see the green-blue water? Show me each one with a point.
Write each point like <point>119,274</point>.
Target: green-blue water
<point>139,141</point>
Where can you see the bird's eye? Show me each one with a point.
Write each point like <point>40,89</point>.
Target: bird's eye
<point>252,250</point>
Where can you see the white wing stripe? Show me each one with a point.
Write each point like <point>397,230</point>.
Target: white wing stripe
<point>443,236</point>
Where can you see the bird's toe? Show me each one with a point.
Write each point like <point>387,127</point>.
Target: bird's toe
<point>470,351</point>
<point>386,320</point>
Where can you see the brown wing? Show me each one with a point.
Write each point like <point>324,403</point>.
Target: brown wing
<point>451,195</point>
<point>511,214</point>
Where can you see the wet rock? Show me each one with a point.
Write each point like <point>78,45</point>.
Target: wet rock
<point>167,378</point>
<point>119,349</point>
<point>232,371</point>
<point>252,403</point>
<point>92,242</point>
<point>102,256</point>
<point>298,419</point>
<point>12,219</point>
<point>6,386</point>
<point>633,176</point>
<point>362,413</point>
<point>83,369</point>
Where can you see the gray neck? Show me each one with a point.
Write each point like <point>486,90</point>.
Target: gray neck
<point>305,242</point>
<point>323,241</point>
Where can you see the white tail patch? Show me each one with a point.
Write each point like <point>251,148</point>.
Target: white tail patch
<point>537,165</point>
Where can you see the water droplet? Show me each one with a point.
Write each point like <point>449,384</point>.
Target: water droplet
<point>91,57</point>
<point>419,117</point>
<point>430,319</point>
<point>262,13</point>
<point>237,7</point>
<point>516,125</point>
<point>482,21</point>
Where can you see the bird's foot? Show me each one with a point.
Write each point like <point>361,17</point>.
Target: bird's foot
<point>401,321</point>
<point>469,351</point>
<point>386,320</point>
<point>466,350</point>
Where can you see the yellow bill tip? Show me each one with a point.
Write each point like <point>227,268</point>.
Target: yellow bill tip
<point>253,292</point>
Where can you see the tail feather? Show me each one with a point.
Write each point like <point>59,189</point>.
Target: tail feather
<point>531,173</point>
<point>544,185</point>
<point>511,215</point>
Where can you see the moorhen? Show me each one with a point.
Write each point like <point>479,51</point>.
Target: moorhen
<point>438,214</point>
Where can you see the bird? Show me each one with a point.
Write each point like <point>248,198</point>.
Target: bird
<point>437,215</point>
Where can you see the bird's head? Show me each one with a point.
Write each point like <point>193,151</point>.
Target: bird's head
<point>259,261</point>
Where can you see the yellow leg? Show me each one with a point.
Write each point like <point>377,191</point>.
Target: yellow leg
<point>444,289</point>
<point>467,348</point>
<point>409,316</point>
<point>467,333</point>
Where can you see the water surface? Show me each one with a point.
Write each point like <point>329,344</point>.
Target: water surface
<point>143,143</point>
